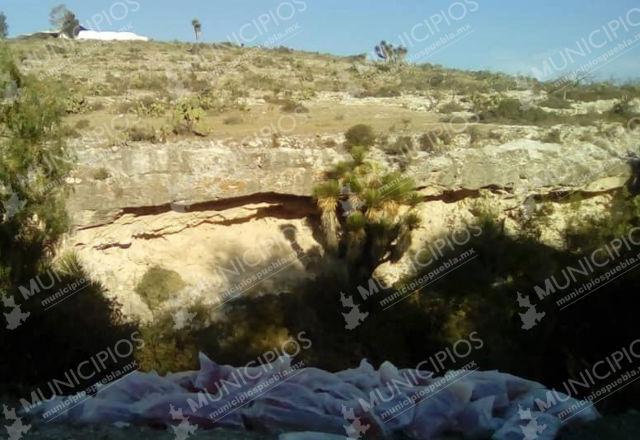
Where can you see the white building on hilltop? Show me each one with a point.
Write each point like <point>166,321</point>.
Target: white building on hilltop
<point>109,36</point>
<point>87,34</point>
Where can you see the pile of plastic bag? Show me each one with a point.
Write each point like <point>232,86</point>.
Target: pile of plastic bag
<point>285,397</point>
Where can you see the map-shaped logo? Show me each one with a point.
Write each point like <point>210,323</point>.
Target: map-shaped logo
<point>185,429</point>
<point>532,428</point>
<point>13,205</point>
<point>16,317</point>
<point>182,319</point>
<point>531,317</point>
<point>16,429</point>
<point>355,429</point>
<point>354,317</point>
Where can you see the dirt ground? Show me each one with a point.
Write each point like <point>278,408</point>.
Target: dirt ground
<point>106,432</point>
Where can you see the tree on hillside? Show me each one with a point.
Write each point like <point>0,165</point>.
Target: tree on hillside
<point>34,163</point>
<point>4,27</point>
<point>34,160</point>
<point>65,20</point>
<point>390,53</point>
<point>197,27</point>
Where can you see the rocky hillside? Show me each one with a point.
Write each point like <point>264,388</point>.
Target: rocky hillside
<point>189,156</point>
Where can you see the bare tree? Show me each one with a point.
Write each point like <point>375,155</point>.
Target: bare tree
<point>197,27</point>
<point>65,20</point>
<point>571,80</point>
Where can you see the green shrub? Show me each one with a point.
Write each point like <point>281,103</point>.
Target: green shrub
<point>151,81</point>
<point>186,116</point>
<point>165,349</point>
<point>555,101</point>
<point>32,142</point>
<point>125,107</point>
<point>512,111</point>
<point>158,285</point>
<point>623,111</point>
<point>451,107</point>
<point>593,92</point>
<point>553,137</point>
<point>152,106</point>
<point>402,145</point>
<point>82,124</point>
<point>111,86</point>
<point>434,140</point>
<point>387,91</point>
<point>232,120</point>
<point>428,142</point>
<point>360,134</point>
<point>76,104</point>
<point>293,107</point>
<point>196,84</point>
<point>476,134</point>
<point>139,133</point>
<point>101,174</point>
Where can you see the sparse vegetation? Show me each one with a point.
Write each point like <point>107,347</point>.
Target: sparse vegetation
<point>553,136</point>
<point>451,107</point>
<point>555,101</point>
<point>512,111</point>
<point>402,145</point>
<point>150,81</point>
<point>289,106</point>
<point>82,124</point>
<point>142,133</point>
<point>434,140</point>
<point>233,120</point>
<point>186,116</point>
<point>361,135</point>
<point>366,212</point>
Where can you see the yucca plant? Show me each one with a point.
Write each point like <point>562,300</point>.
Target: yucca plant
<point>408,223</point>
<point>356,226</point>
<point>197,28</point>
<point>376,211</point>
<point>327,196</point>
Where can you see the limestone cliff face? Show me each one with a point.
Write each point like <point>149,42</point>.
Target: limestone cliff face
<point>189,172</point>
<point>220,214</point>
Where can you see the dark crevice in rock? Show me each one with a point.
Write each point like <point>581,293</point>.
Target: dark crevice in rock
<point>103,247</point>
<point>565,196</point>
<point>225,204</point>
<point>554,196</point>
<point>289,207</point>
<point>456,195</point>
<point>285,206</point>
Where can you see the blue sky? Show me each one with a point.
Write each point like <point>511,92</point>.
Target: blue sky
<point>515,36</point>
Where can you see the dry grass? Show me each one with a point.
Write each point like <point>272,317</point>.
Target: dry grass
<point>231,82</point>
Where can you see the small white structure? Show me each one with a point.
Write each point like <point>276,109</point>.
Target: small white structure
<point>110,36</point>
